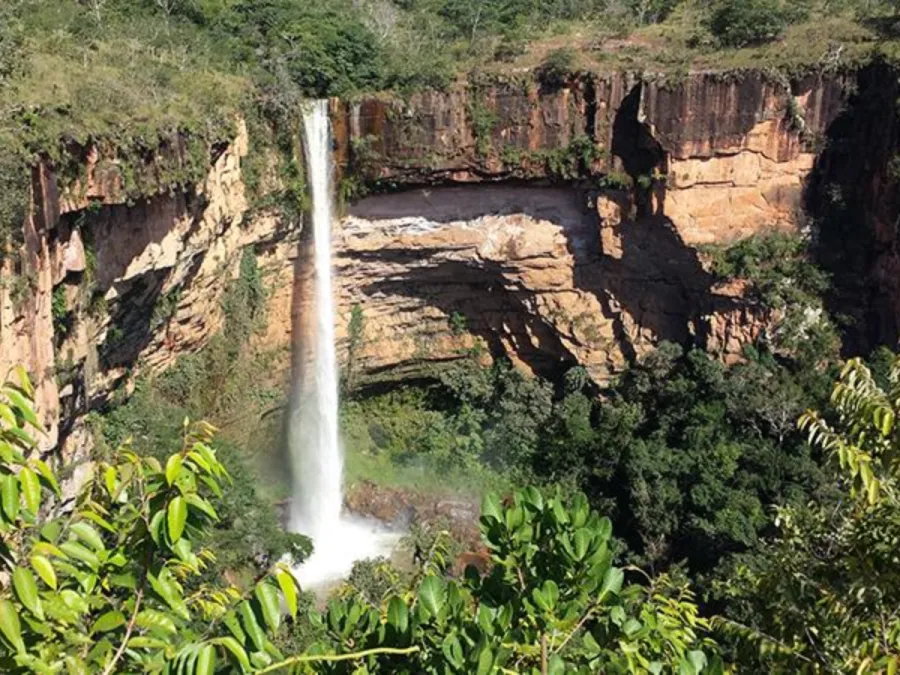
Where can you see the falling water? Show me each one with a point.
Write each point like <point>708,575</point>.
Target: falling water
<point>314,442</point>
<point>315,448</point>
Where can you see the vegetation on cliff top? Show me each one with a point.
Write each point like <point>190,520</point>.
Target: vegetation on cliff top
<point>137,75</point>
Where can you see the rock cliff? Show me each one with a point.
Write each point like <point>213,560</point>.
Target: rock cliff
<point>553,225</point>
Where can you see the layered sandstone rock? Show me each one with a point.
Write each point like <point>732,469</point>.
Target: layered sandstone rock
<point>173,251</point>
<point>585,251</point>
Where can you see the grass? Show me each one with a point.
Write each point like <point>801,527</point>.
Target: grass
<point>423,476</point>
<point>681,44</point>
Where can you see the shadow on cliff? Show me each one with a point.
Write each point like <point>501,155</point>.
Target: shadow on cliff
<point>495,309</point>
<point>651,276</point>
<point>854,202</point>
<point>649,282</point>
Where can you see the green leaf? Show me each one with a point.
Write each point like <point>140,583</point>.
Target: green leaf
<point>23,407</point>
<point>102,522</point>
<point>534,497</point>
<point>432,594</point>
<point>168,590</point>
<point>631,627</point>
<point>201,504</point>
<point>173,469</point>
<point>288,590</point>
<point>453,651</point>
<point>109,621</point>
<point>490,507</point>
<point>47,474</point>
<point>75,550</point>
<point>559,512</point>
<point>582,541</point>
<point>151,619</point>
<point>697,659</point>
<point>31,489</point>
<point>156,524</point>
<point>147,643</point>
<point>612,582</point>
<point>398,614</point>
<point>236,649</point>
<point>685,667</point>
<point>556,666</point>
<point>231,621</point>
<point>268,602</point>
<point>24,380</point>
<point>27,592</point>
<point>485,661</point>
<point>604,530</point>
<point>88,535</point>
<point>10,497</point>
<point>10,626</point>
<point>251,626</point>
<point>45,570</point>
<point>206,661</point>
<point>176,518</point>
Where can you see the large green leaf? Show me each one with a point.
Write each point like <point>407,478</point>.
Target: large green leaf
<point>206,661</point>
<point>10,626</point>
<point>23,407</point>
<point>268,602</point>
<point>31,489</point>
<point>201,504</point>
<point>176,518</point>
<point>154,620</point>
<point>47,474</point>
<point>75,550</point>
<point>490,507</point>
<point>432,594</point>
<point>108,621</point>
<point>485,661</point>
<point>288,589</point>
<point>612,582</point>
<point>9,485</point>
<point>251,626</point>
<point>237,650</point>
<point>88,535</point>
<point>556,666</point>
<point>27,592</point>
<point>173,469</point>
<point>45,570</point>
<point>398,614</point>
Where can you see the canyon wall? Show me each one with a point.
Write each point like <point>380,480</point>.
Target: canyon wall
<point>554,226</point>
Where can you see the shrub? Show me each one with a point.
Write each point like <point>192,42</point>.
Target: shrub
<point>738,23</point>
<point>557,67</point>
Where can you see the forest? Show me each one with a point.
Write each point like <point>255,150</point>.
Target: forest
<point>689,516</point>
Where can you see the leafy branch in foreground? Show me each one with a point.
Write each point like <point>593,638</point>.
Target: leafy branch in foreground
<point>111,583</point>
<point>552,602</point>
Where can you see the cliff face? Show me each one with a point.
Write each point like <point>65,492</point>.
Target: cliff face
<point>594,272</point>
<point>553,226</point>
<point>103,288</point>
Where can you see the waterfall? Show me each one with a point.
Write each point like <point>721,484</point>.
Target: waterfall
<point>313,438</point>
<point>314,444</point>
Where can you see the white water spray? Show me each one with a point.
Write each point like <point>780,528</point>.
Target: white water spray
<point>313,437</point>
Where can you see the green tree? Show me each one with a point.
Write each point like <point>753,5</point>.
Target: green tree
<point>737,23</point>
<point>823,595</point>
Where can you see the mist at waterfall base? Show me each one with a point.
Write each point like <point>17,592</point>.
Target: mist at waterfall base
<point>339,540</point>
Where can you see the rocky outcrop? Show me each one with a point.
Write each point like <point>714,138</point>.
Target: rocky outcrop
<point>115,288</point>
<point>554,226</point>
<point>720,156</point>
